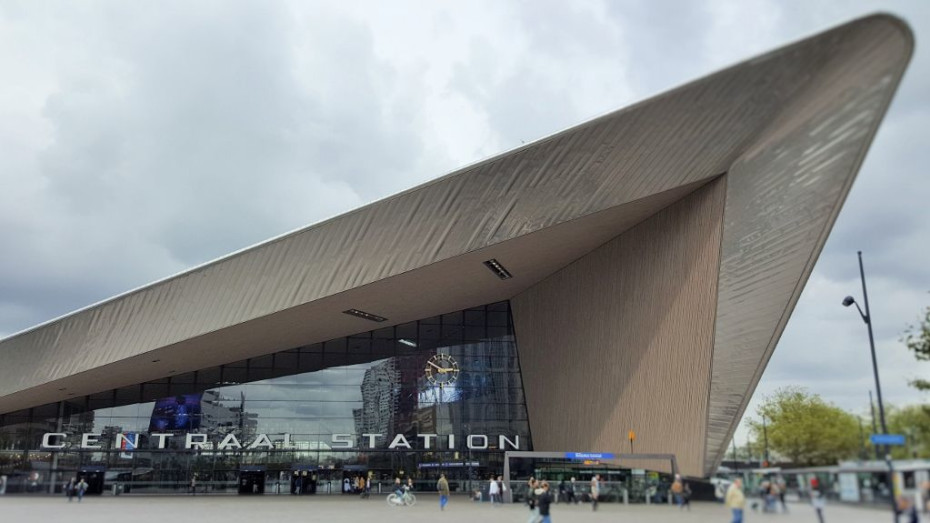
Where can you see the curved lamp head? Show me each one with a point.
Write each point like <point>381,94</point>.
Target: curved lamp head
<point>849,300</point>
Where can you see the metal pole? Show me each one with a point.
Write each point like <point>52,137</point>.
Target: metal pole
<point>868,322</point>
<point>874,427</point>
<point>878,388</point>
<point>862,453</point>
<point>765,437</point>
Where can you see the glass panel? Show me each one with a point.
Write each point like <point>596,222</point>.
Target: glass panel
<point>393,402</point>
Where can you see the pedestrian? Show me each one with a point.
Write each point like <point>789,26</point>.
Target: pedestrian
<point>924,488</point>
<point>774,494</point>
<point>677,489</point>
<point>193,484</point>
<point>735,500</point>
<point>443,487</point>
<point>543,503</point>
<point>2,484</point>
<point>531,497</point>
<point>907,509</point>
<point>686,496</point>
<point>69,489</point>
<point>595,490</point>
<point>494,490</point>
<point>782,488</point>
<point>398,488</point>
<point>818,502</point>
<point>81,488</point>
<point>765,494</point>
<point>570,492</point>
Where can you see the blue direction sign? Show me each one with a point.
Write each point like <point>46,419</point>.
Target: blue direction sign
<point>589,455</point>
<point>887,439</point>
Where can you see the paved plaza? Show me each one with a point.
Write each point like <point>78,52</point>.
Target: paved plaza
<point>232,509</point>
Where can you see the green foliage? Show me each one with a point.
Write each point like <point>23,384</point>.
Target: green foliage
<point>914,422</point>
<point>917,340</point>
<point>805,430</point>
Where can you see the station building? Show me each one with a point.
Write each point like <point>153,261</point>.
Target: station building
<point>630,274</point>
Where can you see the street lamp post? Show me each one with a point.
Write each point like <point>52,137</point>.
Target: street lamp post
<point>874,428</point>
<point>867,318</point>
<point>765,438</point>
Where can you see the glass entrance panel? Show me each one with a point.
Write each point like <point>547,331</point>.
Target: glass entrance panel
<point>439,395</point>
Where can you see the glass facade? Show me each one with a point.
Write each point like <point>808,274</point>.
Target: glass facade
<point>377,405</point>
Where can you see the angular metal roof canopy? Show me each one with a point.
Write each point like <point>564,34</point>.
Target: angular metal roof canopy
<point>787,131</point>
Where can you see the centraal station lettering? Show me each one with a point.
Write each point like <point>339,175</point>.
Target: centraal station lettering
<point>198,441</point>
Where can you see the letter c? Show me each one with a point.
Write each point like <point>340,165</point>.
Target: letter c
<point>47,440</point>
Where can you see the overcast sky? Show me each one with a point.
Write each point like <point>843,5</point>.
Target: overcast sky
<point>138,139</point>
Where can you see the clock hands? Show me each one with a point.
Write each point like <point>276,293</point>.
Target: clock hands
<point>442,370</point>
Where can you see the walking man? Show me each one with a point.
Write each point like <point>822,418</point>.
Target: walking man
<point>782,487</point>
<point>69,489</point>
<point>818,503</point>
<point>533,491</point>
<point>677,491</point>
<point>686,496</point>
<point>735,500</point>
<point>81,488</point>
<point>595,490</point>
<point>443,487</point>
<point>543,502</point>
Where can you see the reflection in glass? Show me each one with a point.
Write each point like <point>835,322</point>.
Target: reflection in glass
<point>368,390</point>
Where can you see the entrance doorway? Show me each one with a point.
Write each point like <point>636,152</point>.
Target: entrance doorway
<point>304,479</point>
<point>251,480</point>
<point>93,475</point>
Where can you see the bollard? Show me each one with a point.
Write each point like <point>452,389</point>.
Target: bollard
<point>626,497</point>
<point>670,498</point>
<point>648,497</point>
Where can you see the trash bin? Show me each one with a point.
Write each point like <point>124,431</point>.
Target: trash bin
<point>117,489</point>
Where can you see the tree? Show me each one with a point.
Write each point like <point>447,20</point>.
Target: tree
<point>917,340</point>
<point>914,422</point>
<point>805,430</point>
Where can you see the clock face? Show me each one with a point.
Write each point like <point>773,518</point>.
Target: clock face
<point>442,370</point>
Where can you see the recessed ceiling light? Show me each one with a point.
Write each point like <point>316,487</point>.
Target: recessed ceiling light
<point>365,315</point>
<point>498,269</point>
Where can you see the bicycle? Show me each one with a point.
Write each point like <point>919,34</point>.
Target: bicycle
<point>405,499</point>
